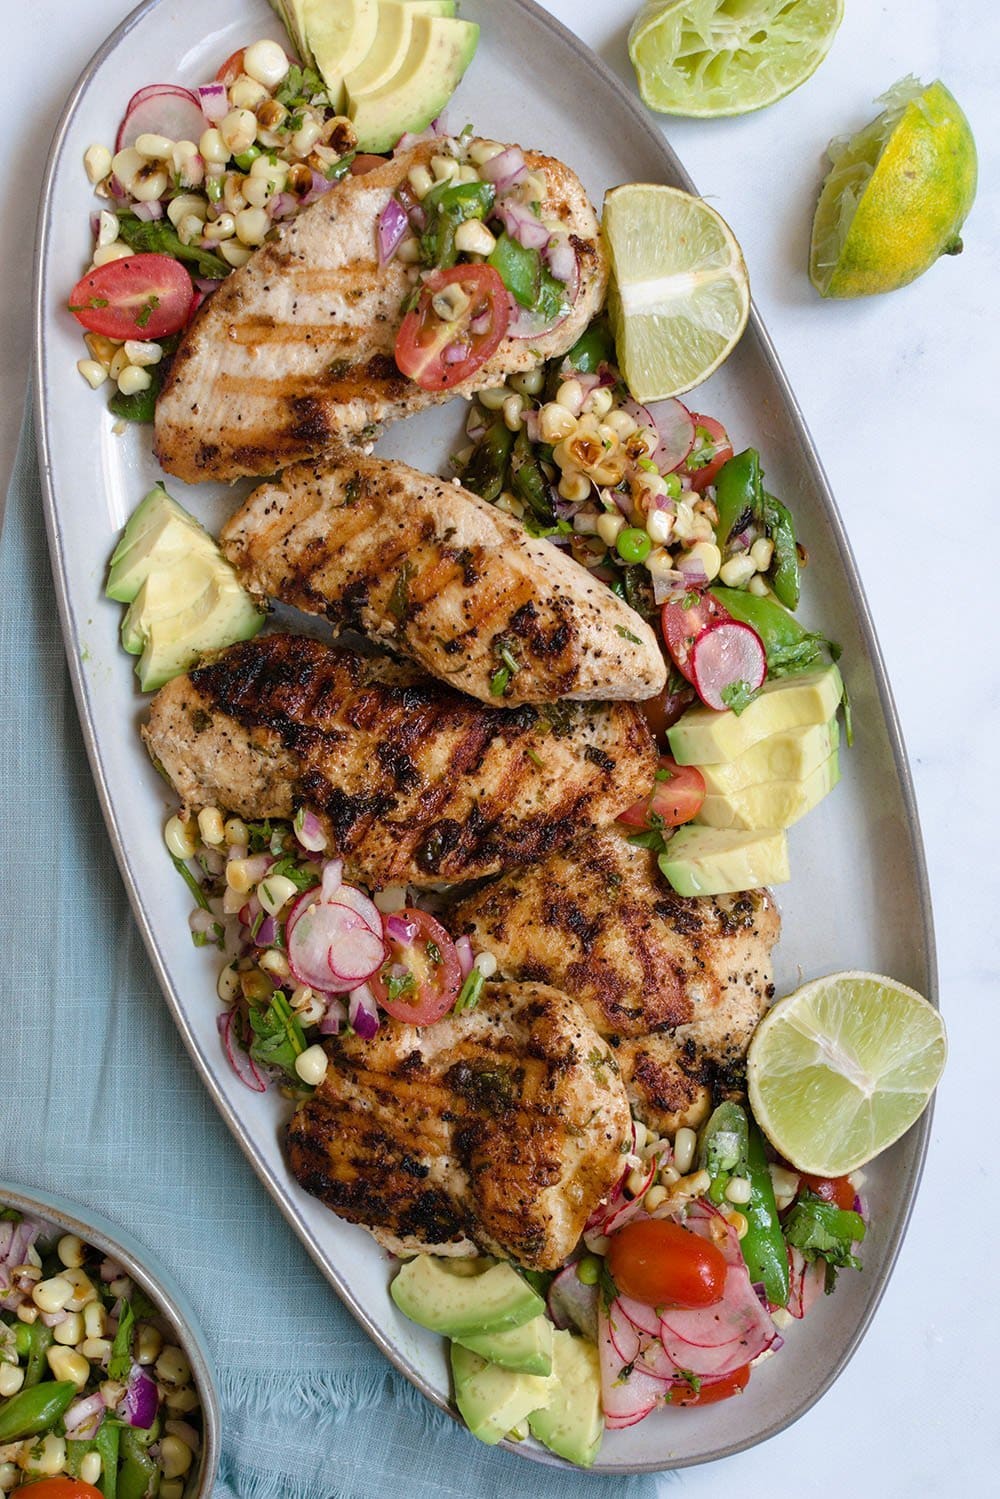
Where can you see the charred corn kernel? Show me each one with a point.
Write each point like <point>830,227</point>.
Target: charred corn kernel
<point>660,525</point>
<point>654,1198</point>
<point>669,1175</point>
<point>227,986</point>
<point>232,192</point>
<point>111,1392</point>
<point>620,422</point>
<point>148,1343</point>
<point>91,1468</point>
<point>188,164</point>
<point>84,1290</point>
<point>473,238</point>
<point>252,225</point>
<point>574,486</point>
<point>224,227</point>
<point>142,353</point>
<point>599,402</point>
<point>238,131</point>
<point>66,1363</point>
<point>785,1184</point>
<point>95,374</point>
<point>695,1184</point>
<point>212,148</point>
<point>95,1320</point>
<point>47,1457</point>
<point>738,1191</point>
<point>570,396</point>
<point>52,1295</point>
<point>704,554</point>
<point>685,1143</point>
<point>635,1181</point>
<point>247,93</point>
<point>408,250</point>
<point>513,413</point>
<point>609,526</point>
<point>175,1456</point>
<point>451,302</point>
<point>172,1488</point>
<point>234,253</point>
<point>275,963</point>
<point>96,163</point>
<point>183,1401</point>
<point>236,831</point>
<point>69,1331</point>
<point>736,1221</point>
<point>126,165</point>
<point>211,826</point>
<point>704,506</point>
<point>392,898</point>
<point>11,1379</point>
<point>172,1366</point>
<point>758,587</point>
<point>102,349</point>
<point>487,964</point>
<point>555,423</point>
<point>150,184</point>
<point>97,1350</point>
<point>241,875</point>
<point>275,892</point>
<point>493,398</point>
<point>762,552</point>
<point>482,151</point>
<point>420,180</point>
<point>270,115</point>
<point>133,379</point>
<point>311,1065</point>
<point>444,168</point>
<point>265,61</point>
<point>105,254</point>
<point>107,227</point>
<point>531,383</point>
<point>737,572</point>
<point>179,838</point>
<point>154,147</point>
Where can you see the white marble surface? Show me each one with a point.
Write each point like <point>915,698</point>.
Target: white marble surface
<point>900,394</point>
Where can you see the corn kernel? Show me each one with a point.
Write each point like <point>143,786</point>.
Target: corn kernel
<point>311,1065</point>
<point>97,1350</point>
<point>482,151</point>
<point>52,1295</point>
<point>84,1290</point>
<point>685,1143</point>
<point>570,396</point>
<point>183,1401</point>
<point>66,1363</point>
<point>132,380</point>
<point>95,1320</point>
<point>762,552</point>
<point>634,1181</point>
<point>172,1366</point>
<point>27,1313</point>
<point>148,1343</point>
<point>620,421</point>
<point>126,165</point>
<point>91,1468</point>
<point>175,1456</point>
<point>275,963</point>
<point>102,349</point>
<point>172,1488</point>
<point>95,374</point>
<point>187,203</point>
<point>11,1379</point>
<point>785,1184</point>
<point>96,163</point>
<point>10,1477</point>
<point>232,192</point>
<point>179,838</point>
<point>654,1198</point>
<point>660,525</point>
<point>275,892</point>
<point>493,398</point>
<point>609,527</point>
<point>736,1221</point>
<point>188,163</point>
<point>737,572</point>
<point>513,413</point>
<point>212,147</point>
<point>107,227</point>
<point>252,225</point>
<point>142,352</point>
<point>408,250</point>
<point>224,227</point>
<point>154,147</point>
<point>444,168</point>
<point>105,254</point>
<point>487,964</point>
<point>150,184</point>
<point>238,131</point>
<point>234,253</point>
<point>531,383</point>
<point>266,62</point>
<point>758,587</point>
<point>574,486</point>
<point>211,827</point>
<point>599,402</point>
<point>309,133</point>
<point>705,554</point>
<point>473,238</point>
<point>47,1457</point>
<point>555,423</point>
<point>236,832</point>
<point>247,93</point>
<point>669,1175</point>
<point>738,1191</point>
<point>69,1331</point>
<point>275,173</point>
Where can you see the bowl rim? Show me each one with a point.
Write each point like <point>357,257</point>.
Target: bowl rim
<point>154,1280</point>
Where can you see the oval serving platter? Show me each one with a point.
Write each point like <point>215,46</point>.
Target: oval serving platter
<point>858,897</point>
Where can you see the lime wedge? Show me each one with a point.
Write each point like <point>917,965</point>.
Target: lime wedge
<point>727,57</point>
<point>837,1071</point>
<point>679,296</point>
<point>897,194</point>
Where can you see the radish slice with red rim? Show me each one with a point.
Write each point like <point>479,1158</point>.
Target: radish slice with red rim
<point>334,945</point>
<point>627,1394</point>
<point>672,421</point>
<point>162,109</point>
<point>728,663</point>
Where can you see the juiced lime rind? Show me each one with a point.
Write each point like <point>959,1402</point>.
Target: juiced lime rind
<point>679,296</point>
<point>707,58</point>
<point>839,1070</point>
<point>896,196</point>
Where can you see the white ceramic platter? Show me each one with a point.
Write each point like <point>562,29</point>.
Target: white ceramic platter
<point>858,896</point>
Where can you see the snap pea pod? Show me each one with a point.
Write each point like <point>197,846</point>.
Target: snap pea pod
<point>788,645</point>
<point>784,569</point>
<point>593,348</point>
<point>138,1475</point>
<point>763,1244</point>
<point>519,269</point>
<point>486,472</point>
<point>40,1340</point>
<point>107,1444</point>
<point>466,200</point>
<point>527,480</point>
<point>722,1147</point>
<point>32,1411</point>
<point>741,500</point>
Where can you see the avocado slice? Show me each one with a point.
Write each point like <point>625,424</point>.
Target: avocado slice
<point>704,736</point>
<point>791,755</point>
<point>571,1424</point>
<point>427,1291</point>
<point>491,1400</point>
<point>157,530</point>
<point>770,804</point>
<point>223,614</point>
<point>339,34</point>
<point>527,1348</point>
<point>721,861</point>
<point>392,42</point>
<point>440,50</point>
<point>182,587</point>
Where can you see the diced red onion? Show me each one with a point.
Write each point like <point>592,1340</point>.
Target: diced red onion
<point>454,353</point>
<point>84,1416</point>
<point>505,169</point>
<point>667,586</point>
<point>363,1012</point>
<point>141,1399</point>
<point>267,932</point>
<point>480,324</point>
<point>241,1061</point>
<point>561,259</point>
<point>52,1319</point>
<point>400,929</point>
<point>333,878</point>
<point>148,212</point>
<point>417,216</point>
<point>532,424</point>
<point>463,948</point>
<point>393,225</point>
<point>214,101</point>
<point>281,205</point>
<point>319,186</point>
<point>201,921</point>
<point>585,523</point>
<point>693,572</point>
<point>207,285</point>
<point>110,1270</point>
<point>524,226</point>
<point>333,1019</point>
<point>309,831</point>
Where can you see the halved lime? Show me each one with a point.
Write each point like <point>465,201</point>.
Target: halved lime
<point>837,1071</point>
<point>727,57</point>
<point>897,195</point>
<point>679,296</point>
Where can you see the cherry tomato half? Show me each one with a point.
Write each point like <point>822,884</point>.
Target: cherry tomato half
<point>719,1389</point>
<point>420,979</point>
<point>63,1488</point>
<point>711,450</point>
<point>231,68</point>
<point>427,341</point>
<point>836,1189</point>
<point>660,1263</point>
<point>682,623</point>
<point>676,797</point>
<point>143,296</point>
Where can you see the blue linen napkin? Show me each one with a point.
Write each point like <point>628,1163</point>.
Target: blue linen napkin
<point>99,1101</point>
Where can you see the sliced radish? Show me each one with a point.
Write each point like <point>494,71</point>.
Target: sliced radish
<point>572,1304</point>
<point>672,420</point>
<point>162,109</point>
<point>643,1318</point>
<point>625,1337</point>
<point>334,945</point>
<point>724,656</point>
<point>807,1282</point>
<point>626,1394</point>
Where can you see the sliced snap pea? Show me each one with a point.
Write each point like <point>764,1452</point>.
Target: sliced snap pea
<point>763,1244</point>
<point>41,1339</point>
<point>722,1147</point>
<point>486,472</point>
<point>138,1475</point>
<point>32,1411</point>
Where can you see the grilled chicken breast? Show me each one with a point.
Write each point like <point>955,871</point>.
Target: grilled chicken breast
<point>675,985</point>
<point>436,572</point>
<point>414,784</point>
<point>502,1127</point>
<point>294,352</point>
